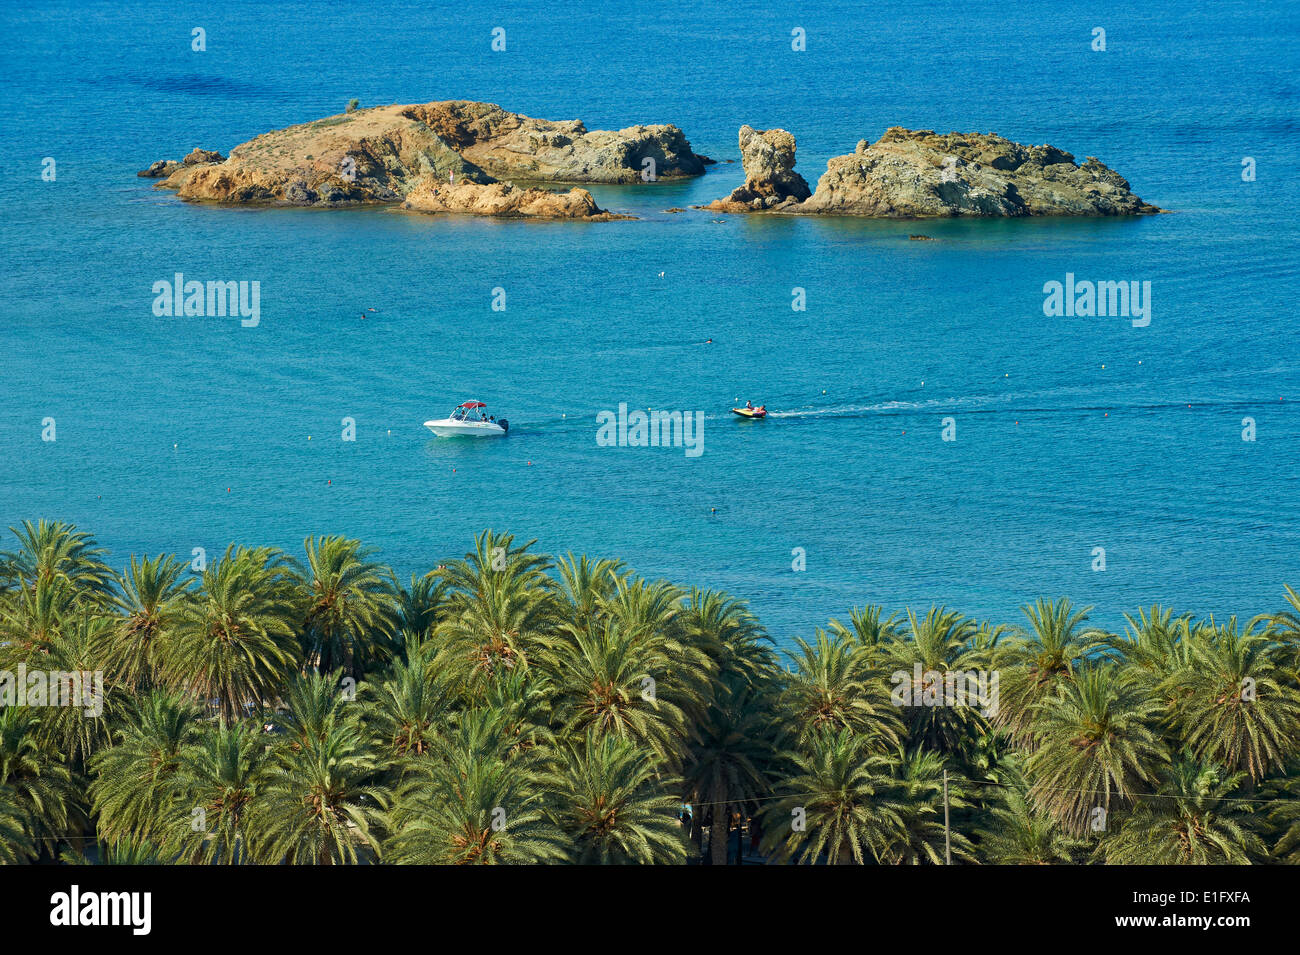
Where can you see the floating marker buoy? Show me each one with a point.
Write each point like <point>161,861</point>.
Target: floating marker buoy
<point>227,490</point>
<point>173,446</point>
<point>308,437</point>
<point>530,464</point>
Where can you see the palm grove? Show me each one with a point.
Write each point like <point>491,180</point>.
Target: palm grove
<point>511,708</point>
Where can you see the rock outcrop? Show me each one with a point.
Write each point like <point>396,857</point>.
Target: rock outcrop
<point>510,146</point>
<point>919,173</point>
<point>503,200</point>
<point>771,184</point>
<point>380,155</point>
<point>160,169</point>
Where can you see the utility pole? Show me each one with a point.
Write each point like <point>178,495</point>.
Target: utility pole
<point>947,842</point>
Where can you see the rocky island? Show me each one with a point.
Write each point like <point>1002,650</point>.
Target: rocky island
<point>919,173</point>
<point>446,157</point>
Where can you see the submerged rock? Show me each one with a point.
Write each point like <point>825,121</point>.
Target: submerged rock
<point>918,173</point>
<point>770,180</point>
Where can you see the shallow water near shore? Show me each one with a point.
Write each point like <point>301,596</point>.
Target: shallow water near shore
<point>1071,433</point>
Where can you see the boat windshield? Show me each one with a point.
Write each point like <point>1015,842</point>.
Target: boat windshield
<point>468,414</point>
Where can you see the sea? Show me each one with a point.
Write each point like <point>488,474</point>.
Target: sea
<point>935,437</point>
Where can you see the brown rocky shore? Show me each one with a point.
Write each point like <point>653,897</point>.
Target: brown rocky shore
<point>919,173</point>
<point>447,157</point>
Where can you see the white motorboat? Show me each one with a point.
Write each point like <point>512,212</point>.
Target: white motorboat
<point>469,420</point>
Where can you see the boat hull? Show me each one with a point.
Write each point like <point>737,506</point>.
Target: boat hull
<point>751,413</point>
<point>465,429</point>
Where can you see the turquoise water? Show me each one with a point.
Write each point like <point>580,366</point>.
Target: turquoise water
<point>1072,433</point>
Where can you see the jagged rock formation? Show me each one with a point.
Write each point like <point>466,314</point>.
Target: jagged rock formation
<point>771,184</point>
<point>380,155</point>
<point>918,173</point>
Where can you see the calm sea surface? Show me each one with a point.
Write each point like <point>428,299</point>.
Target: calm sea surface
<point>1072,433</point>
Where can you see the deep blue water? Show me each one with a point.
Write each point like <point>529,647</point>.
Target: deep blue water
<point>1072,433</point>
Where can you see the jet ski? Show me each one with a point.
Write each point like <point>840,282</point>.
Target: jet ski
<point>753,413</point>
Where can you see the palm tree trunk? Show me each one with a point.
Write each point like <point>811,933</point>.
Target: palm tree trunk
<point>718,835</point>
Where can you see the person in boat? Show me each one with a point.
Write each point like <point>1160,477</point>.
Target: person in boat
<point>749,406</point>
<point>761,409</point>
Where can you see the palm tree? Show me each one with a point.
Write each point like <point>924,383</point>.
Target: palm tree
<point>586,586</point>
<point>420,608</point>
<point>234,643</point>
<point>1286,625</point>
<point>833,687</point>
<point>16,842</point>
<point>134,792</point>
<point>320,802</point>
<point>600,682</point>
<point>1016,833</point>
<point>867,629</point>
<point>500,611</point>
<point>727,632</point>
<point>839,803</point>
<point>613,805</point>
<point>1237,704</point>
<point>220,775</point>
<point>680,643</point>
<point>727,768</point>
<point>38,792</point>
<point>152,593</point>
<point>1033,665</point>
<point>475,799</point>
<point>31,618</point>
<point>408,711</point>
<point>1095,746</point>
<point>1284,817</point>
<point>53,550</point>
<point>941,643</point>
<point>315,705</point>
<point>351,603</point>
<point>1191,820</point>
<point>79,724</point>
<point>919,784</point>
